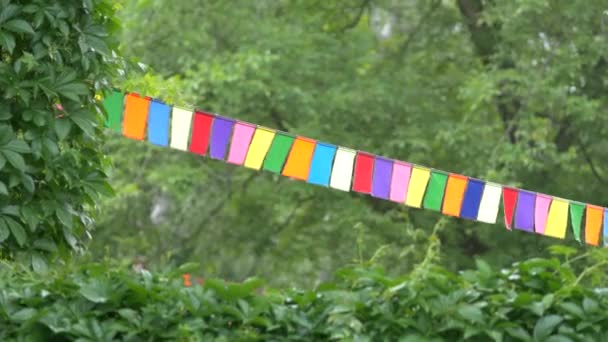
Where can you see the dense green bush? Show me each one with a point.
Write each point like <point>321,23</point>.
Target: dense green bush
<point>54,57</point>
<point>536,300</point>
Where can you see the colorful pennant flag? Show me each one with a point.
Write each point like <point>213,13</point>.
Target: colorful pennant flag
<point>341,168</point>
<point>320,167</point>
<point>400,179</point>
<point>472,199</point>
<point>434,190</point>
<point>490,201</point>
<point>114,105</point>
<point>593,224</point>
<point>180,128</point>
<point>299,159</point>
<point>454,194</point>
<point>605,225</point>
<point>524,212</point>
<point>509,198</point>
<point>260,144</point>
<point>278,152</point>
<point>201,131</point>
<point>241,138</point>
<point>364,168</point>
<point>220,137</point>
<point>417,186</point>
<point>135,117</point>
<point>342,171</point>
<point>158,123</point>
<point>381,180</point>
<point>576,217</point>
<point>557,221</point>
<point>541,211</point>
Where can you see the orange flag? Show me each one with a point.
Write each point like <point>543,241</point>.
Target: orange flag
<point>300,157</point>
<point>454,194</point>
<point>136,116</point>
<point>593,224</point>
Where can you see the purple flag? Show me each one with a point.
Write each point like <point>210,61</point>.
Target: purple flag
<point>524,214</point>
<point>220,136</point>
<point>381,183</point>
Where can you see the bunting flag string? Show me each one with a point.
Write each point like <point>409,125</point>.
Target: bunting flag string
<point>341,168</point>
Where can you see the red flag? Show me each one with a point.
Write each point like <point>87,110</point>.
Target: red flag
<point>509,198</point>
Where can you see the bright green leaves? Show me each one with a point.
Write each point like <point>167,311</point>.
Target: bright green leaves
<point>64,217</point>
<point>18,26</point>
<point>49,141</point>
<point>7,41</point>
<point>8,227</point>
<point>15,159</point>
<point>64,84</point>
<point>12,149</point>
<point>4,230</point>
<point>545,326</point>
<point>88,301</point>
<point>10,25</point>
<point>95,290</point>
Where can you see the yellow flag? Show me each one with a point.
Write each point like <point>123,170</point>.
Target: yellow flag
<point>557,221</point>
<point>417,188</point>
<point>260,143</point>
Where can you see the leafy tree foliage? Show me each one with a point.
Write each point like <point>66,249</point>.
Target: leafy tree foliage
<point>54,56</point>
<point>508,91</point>
<point>535,300</point>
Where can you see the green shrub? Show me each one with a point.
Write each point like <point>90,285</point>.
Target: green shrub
<point>54,56</point>
<point>536,300</point>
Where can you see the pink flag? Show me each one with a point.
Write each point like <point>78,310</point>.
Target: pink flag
<point>399,181</point>
<point>240,142</point>
<point>541,210</point>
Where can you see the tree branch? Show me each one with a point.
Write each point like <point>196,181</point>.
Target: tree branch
<point>364,5</point>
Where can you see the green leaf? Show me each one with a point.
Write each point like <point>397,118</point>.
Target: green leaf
<point>3,189</point>
<point>18,26</point>
<point>15,159</point>
<point>45,245</point>
<point>8,11</point>
<point>95,291</point>
<point>558,338</point>
<point>545,326</point>
<point>11,210</point>
<point>70,238</point>
<point>572,309</point>
<point>8,41</point>
<point>470,312</point>
<point>39,264</point>
<point>28,182</point>
<point>17,231</point>
<point>29,216</point>
<point>24,314</point>
<point>4,230</point>
<point>51,146</point>
<point>72,90</point>
<point>64,217</point>
<point>590,305</point>
<point>6,134</point>
<point>62,128</point>
<point>98,44</point>
<point>17,145</point>
<point>85,124</point>
<point>2,161</point>
<point>519,333</point>
<point>130,315</point>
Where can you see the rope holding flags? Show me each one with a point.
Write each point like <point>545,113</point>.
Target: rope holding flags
<point>341,168</point>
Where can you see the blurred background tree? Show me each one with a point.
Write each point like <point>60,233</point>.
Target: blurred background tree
<point>507,91</point>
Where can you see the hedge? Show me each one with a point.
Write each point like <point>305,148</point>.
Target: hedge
<point>535,300</point>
